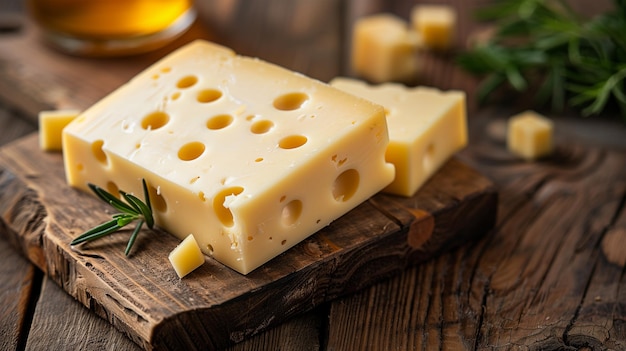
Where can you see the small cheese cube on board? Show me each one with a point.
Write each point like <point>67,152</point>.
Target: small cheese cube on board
<point>426,127</point>
<point>384,49</point>
<point>529,135</point>
<point>51,124</point>
<point>249,157</point>
<point>435,24</point>
<point>186,257</point>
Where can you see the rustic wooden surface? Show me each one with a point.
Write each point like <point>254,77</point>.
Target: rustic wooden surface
<point>549,277</point>
<point>143,297</point>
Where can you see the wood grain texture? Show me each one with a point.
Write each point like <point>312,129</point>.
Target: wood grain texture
<point>59,320</point>
<point>215,306</point>
<point>550,276</point>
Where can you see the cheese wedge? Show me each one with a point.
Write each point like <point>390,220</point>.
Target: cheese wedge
<point>247,156</point>
<point>426,127</point>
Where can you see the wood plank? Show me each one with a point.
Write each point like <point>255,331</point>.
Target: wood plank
<point>18,284</point>
<point>548,277</point>
<point>59,322</point>
<point>19,279</point>
<point>215,306</point>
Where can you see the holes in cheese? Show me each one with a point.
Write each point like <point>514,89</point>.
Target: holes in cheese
<point>156,199</point>
<point>221,204</point>
<point>155,120</point>
<point>208,95</point>
<point>219,121</point>
<point>291,212</point>
<point>98,153</point>
<point>261,127</point>
<point>270,133</point>
<point>346,185</point>
<point>113,188</point>
<point>187,82</point>
<point>291,101</point>
<point>292,141</point>
<point>191,151</point>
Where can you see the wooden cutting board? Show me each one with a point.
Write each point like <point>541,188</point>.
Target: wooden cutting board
<point>214,306</point>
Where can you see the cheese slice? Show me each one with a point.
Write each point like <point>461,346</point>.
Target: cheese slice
<point>426,127</point>
<point>51,124</point>
<point>247,156</point>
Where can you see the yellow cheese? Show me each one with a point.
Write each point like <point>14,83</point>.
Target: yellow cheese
<point>247,156</point>
<point>186,257</point>
<point>426,127</point>
<point>529,135</point>
<point>384,49</point>
<point>51,124</point>
<point>435,24</point>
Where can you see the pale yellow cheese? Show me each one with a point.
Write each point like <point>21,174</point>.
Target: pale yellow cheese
<point>51,124</point>
<point>529,135</point>
<point>186,257</point>
<point>384,49</point>
<point>436,24</point>
<point>426,127</point>
<point>247,156</point>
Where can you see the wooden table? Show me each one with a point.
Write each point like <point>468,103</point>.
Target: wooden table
<point>550,276</point>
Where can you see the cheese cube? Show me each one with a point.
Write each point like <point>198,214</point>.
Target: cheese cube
<point>249,157</point>
<point>384,49</point>
<point>51,124</point>
<point>186,257</point>
<point>435,24</point>
<point>426,127</point>
<point>529,135</point>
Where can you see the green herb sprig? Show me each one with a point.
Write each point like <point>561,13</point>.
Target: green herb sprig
<point>575,62</point>
<point>132,210</point>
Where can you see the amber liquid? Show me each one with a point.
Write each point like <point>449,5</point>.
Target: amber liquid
<point>112,24</point>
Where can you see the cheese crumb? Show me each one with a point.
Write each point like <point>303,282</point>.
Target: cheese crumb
<point>435,24</point>
<point>384,49</point>
<point>51,124</point>
<point>186,257</point>
<point>529,135</point>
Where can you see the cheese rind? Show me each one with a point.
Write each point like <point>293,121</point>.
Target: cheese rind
<point>51,124</point>
<point>529,135</point>
<point>249,157</point>
<point>384,49</point>
<point>435,24</point>
<point>426,127</point>
<point>186,257</point>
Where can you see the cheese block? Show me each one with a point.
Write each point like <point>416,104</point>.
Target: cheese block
<point>384,49</point>
<point>529,135</point>
<point>51,124</point>
<point>436,24</point>
<point>426,127</point>
<point>186,257</point>
<point>249,157</point>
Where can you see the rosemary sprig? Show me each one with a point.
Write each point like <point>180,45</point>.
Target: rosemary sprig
<point>574,61</point>
<point>132,210</point>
